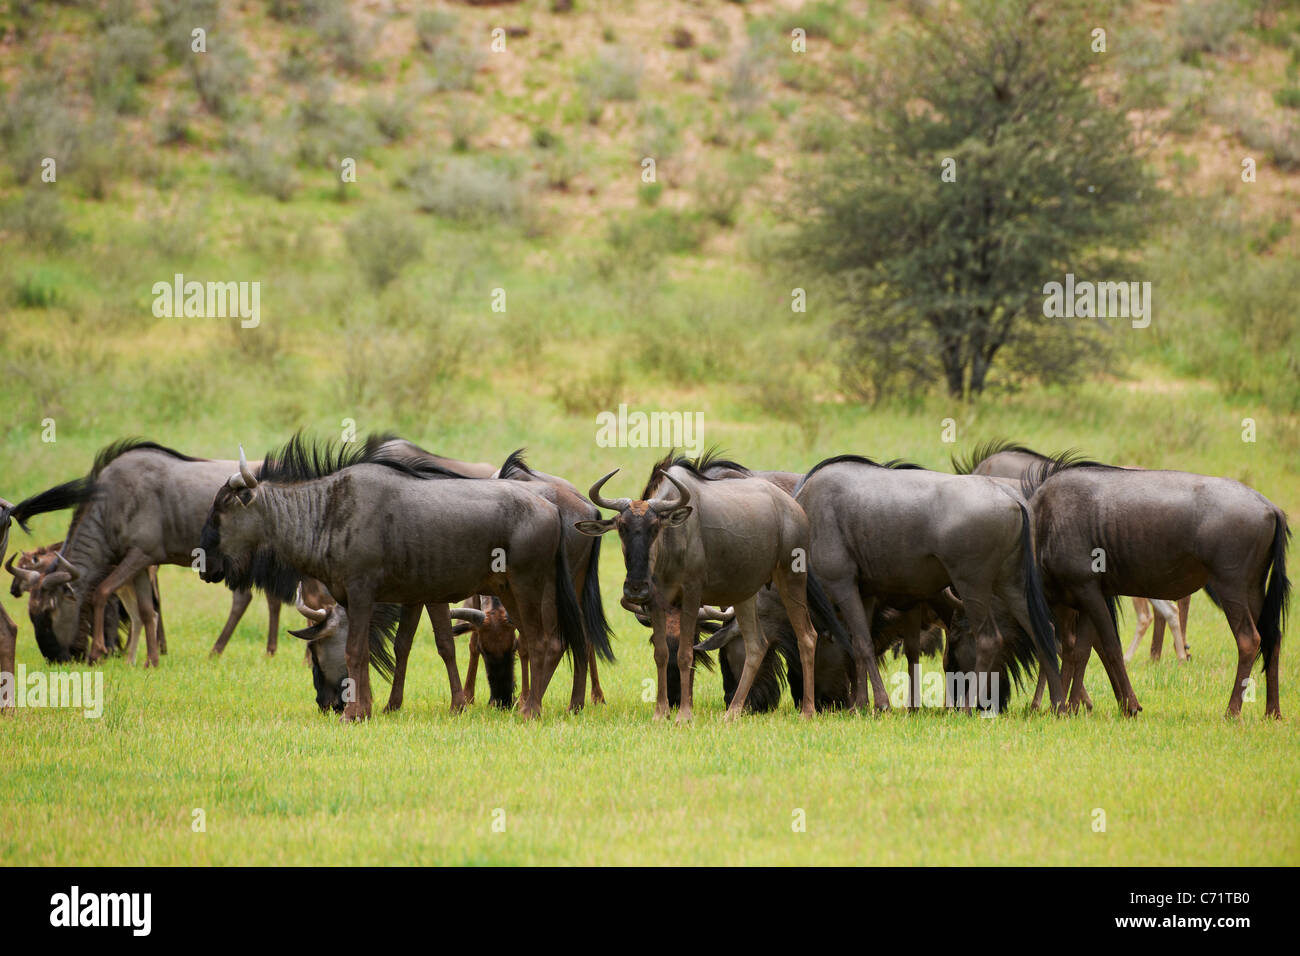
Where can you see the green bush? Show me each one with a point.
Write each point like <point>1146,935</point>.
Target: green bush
<point>433,27</point>
<point>467,190</point>
<point>382,243</point>
<point>39,218</point>
<point>453,66</point>
<point>1209,26</point>
<point>614,74</point>
<point>38,289</point>
<point>392,115</point>
<point>265,161</point>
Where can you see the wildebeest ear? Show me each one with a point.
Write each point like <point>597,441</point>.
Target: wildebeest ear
<point>308,633</point>
<point>677,516</point>
<point>246,496</point>
<point>595,528</point>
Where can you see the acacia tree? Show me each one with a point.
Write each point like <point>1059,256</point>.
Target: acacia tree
<point>942,273</point>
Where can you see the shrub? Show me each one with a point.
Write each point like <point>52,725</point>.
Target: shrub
<point>467,190</point>
<point>614,74</point>
<point>1209,26</point>
<point>597,392</point>
<point>382,243</point>
<point>350,45</point>
<point>453,66</point>
<point>220,75</point>
<point>264,160</point>
<point>391,115</point>
<point>38,288</point>
<point>39,218</point>
<point>433,27</point>
<point>1288,97</point>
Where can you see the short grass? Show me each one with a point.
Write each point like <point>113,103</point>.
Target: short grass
<point>278,783</point>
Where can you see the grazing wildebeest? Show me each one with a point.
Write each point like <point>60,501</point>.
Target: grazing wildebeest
<point>693,540</point>
<point>374,528</point>
<point>835,671</point>
<point>1160,534</point>
<point>326,638</point>
<point>494,637</point>
<point>897,534</point>
<point>67,495</point>
<point>146,508</point>
<point>33,566</point>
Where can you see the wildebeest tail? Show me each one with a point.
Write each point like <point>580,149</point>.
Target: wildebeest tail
<point>593,608</point>
<point>566,605</point>
<point>1272,617</point>
<point>822,612</point>
<point>1040,615</point>
<point>765,693</point>
<point>70,494</point>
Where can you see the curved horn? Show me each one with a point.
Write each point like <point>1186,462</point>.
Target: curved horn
<point>30,578</point>
<point>315,615</point>
<point>73,573</point>
<point>618,504</point>
<point>245,472</point>
<point>661,505</point>
<point>710,613</point>
<point>471,614</point>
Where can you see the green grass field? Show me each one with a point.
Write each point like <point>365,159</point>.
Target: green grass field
<point>241,738</point>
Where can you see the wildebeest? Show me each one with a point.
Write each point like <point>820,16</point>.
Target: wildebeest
<point>1000,458</point>
<point>835,672</point>
<point>67,495</point>
<point>145,506</point>
<point>897,534</point>
<point>693,540</point>
<point>493,632</point>
<point>373,528</point>
<point>33,567</point>
<point>1105,531</point>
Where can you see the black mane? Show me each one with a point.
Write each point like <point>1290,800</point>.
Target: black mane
<point>897,464</point>
<point>515,465</point>
<point>981,453</point>
<point>304,459</point>
<point>117,449</point>
<point>711,458</point>
<point>1055,464</point>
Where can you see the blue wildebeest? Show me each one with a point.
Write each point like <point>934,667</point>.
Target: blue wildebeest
<point>146,507</point>
<point>493,633</point>
<point>1000,458</point>
<point>1160,534</point>
<point>33,567</point>
<point>374,528</point>
<point>67,495</point>
<point>690,540</point>
<point>897,534</point>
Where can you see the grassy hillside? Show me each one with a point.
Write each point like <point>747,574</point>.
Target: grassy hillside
<point>521,171</point>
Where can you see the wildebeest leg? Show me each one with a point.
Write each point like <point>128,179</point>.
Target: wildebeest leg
<point>239,601</point>
<point>912,648</point>
<point>157,606</point>
<point>1142,611</point>
<point>525,671</point>
<point>793,588</point>
<point>1106,642</point>
<point>687,612</point>
<point>127,595</point>
<point>857,618</point>
<point>1048,674</point>
<point>402,641</point>
<point>597,695</point>
<point>1184,608</point>
<point>440,618</point>
<point>755,649</point>
<point>360,608</point>
<point>1241,618</point>
<point>273,623</point>
<point>132,564</point>
<point>659,638</point>
<point>148,617</point>
<point>471,671</point>
<point>8,647</point>
<point>578,696</point>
